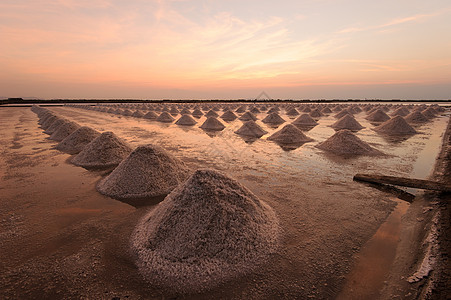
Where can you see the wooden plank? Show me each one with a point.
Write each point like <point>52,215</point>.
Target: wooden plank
<point>402,181</point>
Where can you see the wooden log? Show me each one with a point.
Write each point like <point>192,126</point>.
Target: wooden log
<point>402,181</point>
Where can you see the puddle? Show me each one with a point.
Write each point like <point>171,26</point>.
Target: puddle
<point>375,258</point>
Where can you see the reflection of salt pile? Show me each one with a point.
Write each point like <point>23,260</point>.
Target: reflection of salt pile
<point>165,117</point>
<point>289,134</point>
<point>395,126</point>
<point>64,130</point>
<point>251,129</point>
<point>248,116</point>
<point>148,171</point>
<point>208,230</point>
<point>347,122</point>
<point>305,120</point>
<point>378,116</point>
<point>186,120</point>
<point>344,142</point>
<point>77,140</point>
<point>105,151</point>
<point>228,116</point>
<point>416,117</point>
<point>212,124</point>
<point>273,118</point>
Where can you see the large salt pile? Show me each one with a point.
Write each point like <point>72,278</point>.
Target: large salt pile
<point>248,116</point>
<point>395,126</point>
<point>207,231</point>
<point>305,120</point>
<point>289,134</point>
<point>347,122</point>
<point>251,129</point>
<point>378,116</point>
<point>416,117</point>
<point>429,112</point>
<point>149,171</point>
<point>64,130</point>
<point>165,117</point>
<point>150,115</point>
<point>273,118</point>
<point>212,124</point>
<point>228,116</point>
<point>105,151</point>
<point>186,120</point>
<point>77,140</point>
<point>49,121</point>
<point>344,142</point>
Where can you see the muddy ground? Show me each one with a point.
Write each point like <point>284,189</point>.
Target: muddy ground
<point>61,239</point>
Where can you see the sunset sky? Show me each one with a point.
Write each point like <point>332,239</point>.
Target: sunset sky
<point>200,49</point>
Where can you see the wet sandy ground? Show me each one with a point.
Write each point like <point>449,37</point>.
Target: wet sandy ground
<point>62,239</point>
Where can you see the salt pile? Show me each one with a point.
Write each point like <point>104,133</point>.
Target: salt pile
<point>315,113</point>
<point>292,112</point>
<point>165,117</point>
<point>211,113</point>
<point>273,118</point>
<point>251,129</point>
<point>212,124</point>
<point>248,116</point>
<point>305,120</point>
<point>307,109</point>
<point>274,109</point>
<point>342,113</point>
<point>54,126</point>
<point>197,113</point>
<point>326,110</point>
<point>344,142</point>
<point>395,126</point>
<point>289,134</point>
<point>186,120</point>
<point>150,115</point>
<point>378,116</point>
<point>49,121</point>
<point>105,151</point>
<point>429,113</point>
<point>228,116</point>
<point>240,110</point>
<point>416,117</point>
<point>254,110</point>
<point>138,114</point>
<point>77,140</point>
<point>207,231</point>
<point>401,111</point>
<point>148,171</point>
<point>127,113</point>
<point>64,130</point>
<point>347,122</point>
<point>185,111</point>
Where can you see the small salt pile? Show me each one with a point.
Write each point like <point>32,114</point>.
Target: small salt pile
<point>149,171</point>
<point>229,116</point>
<point>347,122</point>
<point>344,142</point>
<point>342,113</point>
<point>49,121</point>
<point>174,111</point>
<point>395,126</point>
<point>254,110</point>
<point>326,110</point>
<point>197,113</point>
<point>241,109</point>
<point>186,120</point>
<point>307,109</point>
<point>127,113</point>
<point>429,113</point>
<point>185,111</point>
<point>208,230</point>
<point>416,117</point>
<point>165,117</point>
<point>378,116</point>
<point>64,130</point>
<point>274,109</point>
<point>401,111</point>
<point>273,118</point>
<point>251,129</point>
<point>212,124</point>
<point>305,120</point>
<point>55,125</point>
<point>77,140</point>
<point>150,115</point>
<point>289,134</point>
<point>105,151</point>
<point>248,116</point>
<point>292,112</point>
<point>315,113</point>
<point>211,113</point>
<point>138,114</point>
